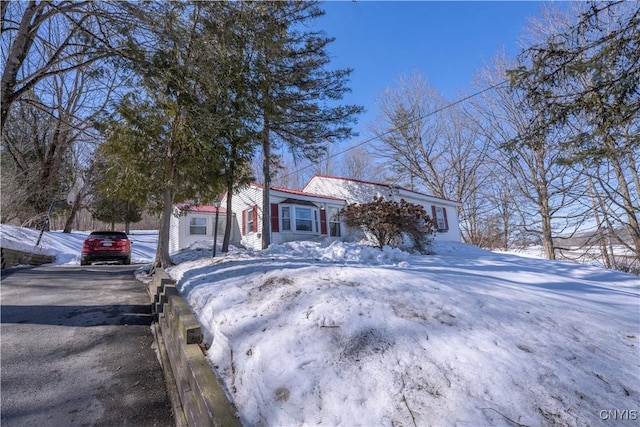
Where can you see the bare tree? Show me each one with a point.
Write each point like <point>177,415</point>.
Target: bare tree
<point>432,146</point>
<point>359,162</point>
<point>41,39</point>
<point>53,90</point>
<point>326,165</point>
<point>409,134</point>
<point>46,131</point>
<point>543,189</point>
<point>582,77</point>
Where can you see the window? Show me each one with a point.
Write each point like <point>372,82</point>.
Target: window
<point>249,213</point>
<point>198,226</point>
<point>297,218</point>
<point>334,223</point>
<point>303,219</point>
<point>286,218</point>
<point>440,218</point>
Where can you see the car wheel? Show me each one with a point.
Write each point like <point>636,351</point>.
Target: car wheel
<point>127,261</point>
<point>83,262</point>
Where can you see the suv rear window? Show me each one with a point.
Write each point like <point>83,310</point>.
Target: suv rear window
<point>109,234</point>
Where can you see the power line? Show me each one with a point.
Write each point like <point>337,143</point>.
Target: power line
<point>367,141</point>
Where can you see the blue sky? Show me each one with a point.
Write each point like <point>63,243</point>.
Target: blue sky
<point>447,42</point>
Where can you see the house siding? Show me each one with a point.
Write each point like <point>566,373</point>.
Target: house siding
<point>364,192</point>
<point>320,233</point>
<point>325,193</point>
<point>179,225</point>
<point>242,202</point>
<point>250,198</point>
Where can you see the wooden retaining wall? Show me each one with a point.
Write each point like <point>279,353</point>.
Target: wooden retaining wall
<point>11,257</point>
<point>200,400</point>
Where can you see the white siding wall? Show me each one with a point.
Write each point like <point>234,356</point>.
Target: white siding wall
<point>362,192</point>
<point>284,236</point>
<point>180,237</point>
<point>245,200</point>
<point>252,196</point>
<point>453,232</point>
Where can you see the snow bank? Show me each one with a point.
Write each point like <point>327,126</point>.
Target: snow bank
<point>339,252</point>
<point>23,239</point>
<point>351,335</point>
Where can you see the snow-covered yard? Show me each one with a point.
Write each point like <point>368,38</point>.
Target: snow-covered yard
<point>347,335</point>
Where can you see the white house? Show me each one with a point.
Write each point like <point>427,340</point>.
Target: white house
<point>357,191</point>
<point>310,214</point>
<point>294,215</point>
<point>190,224</point>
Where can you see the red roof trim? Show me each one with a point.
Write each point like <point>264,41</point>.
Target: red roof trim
<point>391,186</point>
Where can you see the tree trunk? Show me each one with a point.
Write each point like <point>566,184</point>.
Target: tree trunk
<point>68,225</point>
<point>542,190</point>
<point>17,54</point>
<point>266,221</point>
<point>505,216</point>
<point>547,233</point>
<point>632,220</point>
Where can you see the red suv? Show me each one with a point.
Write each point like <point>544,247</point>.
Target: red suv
<point>106,246</point>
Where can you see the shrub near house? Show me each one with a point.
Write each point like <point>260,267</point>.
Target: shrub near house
<point>388,221</point>
<point>443,212</point>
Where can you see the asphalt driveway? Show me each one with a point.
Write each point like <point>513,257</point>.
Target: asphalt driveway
<point>77,349</point>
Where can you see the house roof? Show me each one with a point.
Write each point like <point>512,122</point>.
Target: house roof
<point>378,184</point>
<point>200,208</point>
<point>300,193</point>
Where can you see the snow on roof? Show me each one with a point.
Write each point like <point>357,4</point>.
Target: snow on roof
<point>378,184</point>
<point>300,193</point>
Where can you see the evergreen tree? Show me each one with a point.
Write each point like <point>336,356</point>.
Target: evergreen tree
<point>297,95</point>
<point>585,84</point>
<point>115,211</point>
<point>229,26</point>
<point>161,147</point>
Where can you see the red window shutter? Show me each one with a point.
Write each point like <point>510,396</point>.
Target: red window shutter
<point>275,222</point>
<point>323,221</point>
<point>434,219</point>
<point>255,218</point>
<point>446,222</point>
<point>244,223</point>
